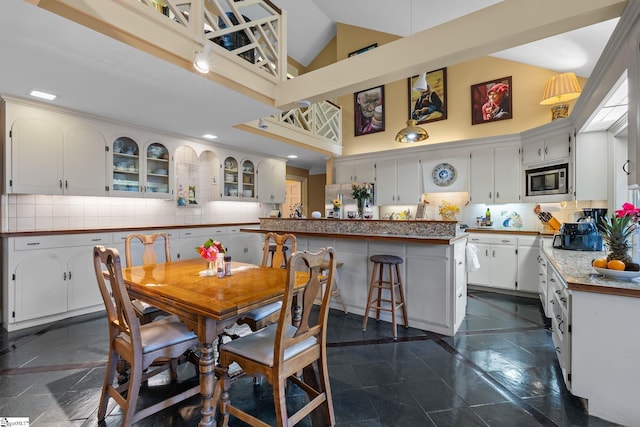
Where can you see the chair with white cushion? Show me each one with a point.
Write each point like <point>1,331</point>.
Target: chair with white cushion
<point>280,351</point>
<point>139,345</point>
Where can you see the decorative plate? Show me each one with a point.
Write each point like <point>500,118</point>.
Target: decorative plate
<point>443,174</point>
<point>617,274</point>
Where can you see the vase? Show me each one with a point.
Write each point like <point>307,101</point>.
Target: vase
<point>361,204</point>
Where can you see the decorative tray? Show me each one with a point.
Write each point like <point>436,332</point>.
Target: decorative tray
<point>617,274</point>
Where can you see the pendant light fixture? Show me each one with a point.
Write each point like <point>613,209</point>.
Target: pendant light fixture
<point>412,133</point>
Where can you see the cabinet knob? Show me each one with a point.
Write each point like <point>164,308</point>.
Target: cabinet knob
<point>497,195</point>
<point>489,194</point>
<point>539,151</point>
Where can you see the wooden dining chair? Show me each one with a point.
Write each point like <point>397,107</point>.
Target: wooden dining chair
<point>147,312</point>
<point>274,256</point>
<point>280,351</point>
<point>140,345</point>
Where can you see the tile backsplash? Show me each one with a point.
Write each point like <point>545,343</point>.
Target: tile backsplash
<point>43,212</point>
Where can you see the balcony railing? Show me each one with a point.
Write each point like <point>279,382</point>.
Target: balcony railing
<point>250,29</point>
<point>321,120</point>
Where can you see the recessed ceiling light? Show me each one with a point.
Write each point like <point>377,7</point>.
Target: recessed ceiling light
<point>209,136</point>
<point>292,156</point>
<point>43,95</point>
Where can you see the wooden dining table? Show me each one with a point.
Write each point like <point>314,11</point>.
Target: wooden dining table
<point>207,304</point>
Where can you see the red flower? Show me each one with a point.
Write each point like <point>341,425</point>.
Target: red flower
<point>628,209</point>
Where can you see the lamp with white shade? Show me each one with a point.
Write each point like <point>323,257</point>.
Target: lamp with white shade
<point>558,91</point>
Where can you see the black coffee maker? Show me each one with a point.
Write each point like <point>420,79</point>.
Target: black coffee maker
<point>594,215</point>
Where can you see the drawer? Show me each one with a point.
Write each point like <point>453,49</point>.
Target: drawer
<point>122,236</point>
<point>206,232</point>
<point>60,241</point>
<point>494,240</point>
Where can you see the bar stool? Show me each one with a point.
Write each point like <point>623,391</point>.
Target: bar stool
<point>335,292</point>
<point>375,301</point>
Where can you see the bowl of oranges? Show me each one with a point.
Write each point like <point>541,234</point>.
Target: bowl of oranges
<point>616,269</point>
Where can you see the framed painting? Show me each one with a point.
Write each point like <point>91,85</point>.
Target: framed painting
<point>491,101</point>
<point>363,50</point>
<point>429,105</point>
<point>368,111</point>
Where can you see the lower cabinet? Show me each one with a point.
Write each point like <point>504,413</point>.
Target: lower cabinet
<point>528,267</point>
<point>48,278</point>
<point>498,261</point>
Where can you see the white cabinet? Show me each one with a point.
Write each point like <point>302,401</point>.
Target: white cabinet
<point>436,294</point>
<point>244,247</point>
<point>443,168</point>
<point>543,282</point>
<point>528,267</point>
<point>495,175</point>
<point>560,305</point>
<point>140,171</point>
<point>498,261</point>
<point>592,166</point>
<point>189,239</point>
<point>272,181</point>
<point>553,147</point>
<point>234,174</point>
<point>398,182</point>
<point>44,161</point>
<point>49,278</point>
<point>354,171</point>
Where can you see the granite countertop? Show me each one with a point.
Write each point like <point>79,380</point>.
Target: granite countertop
<point>575,268</point>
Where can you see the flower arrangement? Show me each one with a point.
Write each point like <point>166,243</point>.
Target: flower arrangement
<point>448,210</point>
<point>337,204</point>
<point>361,191</point>
<point>210,249</point>
<point>296,211</point>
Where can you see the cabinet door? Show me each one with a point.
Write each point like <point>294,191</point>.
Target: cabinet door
<point>503,266</point>
<point>592,166</point>
<point>272,181</point>
<point>157,177</point>
<point>532,151</point>
<point>85,166</point>
<point>528,268</point>
<point>36,157</point>
<point>348,172</point>
<point>556,147</point>
<point>126,167</point>
<point>41,286</point>
<point>344,173</point>
<point>364,171</point>
<point>386,182</point>
<point>230,177</point>
<point>249,179</point>
<point>482,176</point>
<point>82,287</point>
<point>408,182</point>
<point>482,276</point>
<point>506,175</point>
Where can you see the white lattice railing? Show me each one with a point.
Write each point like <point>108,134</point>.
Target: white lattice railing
<point>322,120</point>
<point>249,29</point>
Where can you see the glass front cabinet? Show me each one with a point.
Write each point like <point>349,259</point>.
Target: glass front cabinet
<point>138,172</point>
<point>238,178</point>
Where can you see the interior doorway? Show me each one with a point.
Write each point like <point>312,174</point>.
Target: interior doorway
<point>296,193</point>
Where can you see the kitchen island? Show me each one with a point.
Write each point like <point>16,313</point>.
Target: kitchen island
<point>595,329</point>
<point>433,272</point>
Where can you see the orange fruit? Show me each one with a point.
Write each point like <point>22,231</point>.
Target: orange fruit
<point>600,263</point>
<point>616,264</point>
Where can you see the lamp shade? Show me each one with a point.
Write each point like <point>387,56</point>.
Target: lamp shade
<point>421,83</point>
<point>561,88</point>
<point>412,133</point>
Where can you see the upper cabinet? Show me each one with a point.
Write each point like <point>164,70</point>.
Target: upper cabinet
<point>398,182</point>
<point>43,161</point>
<point>239,178</point>
<point>553,147</point>
<point>592,166</point>
<point>356,171</point>
<point>495,175</point>
<point>445,174</point>
<point>272,181</point>
<point>140,172</point>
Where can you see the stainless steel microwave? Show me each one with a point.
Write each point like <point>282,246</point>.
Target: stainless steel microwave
<point>553,179</point>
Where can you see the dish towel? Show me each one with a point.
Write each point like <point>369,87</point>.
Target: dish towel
<point>473,263</point>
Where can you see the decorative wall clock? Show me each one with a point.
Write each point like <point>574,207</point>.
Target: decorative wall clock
<point>443,174</point>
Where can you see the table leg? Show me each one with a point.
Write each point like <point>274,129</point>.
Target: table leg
<point>207,384</point>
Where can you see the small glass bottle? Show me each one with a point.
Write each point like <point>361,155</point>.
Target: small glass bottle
<point>227,265</point>
<point>488,216</point>
<point>220,265</point>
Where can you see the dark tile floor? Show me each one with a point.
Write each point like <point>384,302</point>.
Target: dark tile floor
<point>499,370</point>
